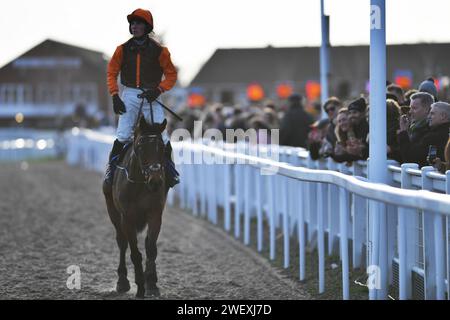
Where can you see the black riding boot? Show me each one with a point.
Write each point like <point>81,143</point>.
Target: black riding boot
<point>113,157</point>
<point>172,175</point>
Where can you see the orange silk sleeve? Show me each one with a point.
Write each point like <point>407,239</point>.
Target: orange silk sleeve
<point>169,70</point>
<point>112,73</point>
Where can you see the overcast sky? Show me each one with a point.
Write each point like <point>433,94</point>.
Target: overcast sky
<point>193,29</point>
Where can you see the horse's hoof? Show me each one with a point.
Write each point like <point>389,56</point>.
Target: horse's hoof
<point>140,293</point>
<point>123,286</point>
<point>152,291</point>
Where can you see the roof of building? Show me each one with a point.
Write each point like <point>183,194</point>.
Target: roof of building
<point>94,59</point>
<point>245,65</point>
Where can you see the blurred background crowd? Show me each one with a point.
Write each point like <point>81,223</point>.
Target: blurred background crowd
<point>417,124</point>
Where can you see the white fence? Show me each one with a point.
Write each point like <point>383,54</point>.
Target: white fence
<point>26,144</point>
<point>311,201</point>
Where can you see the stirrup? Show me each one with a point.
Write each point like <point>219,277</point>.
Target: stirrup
<point>172,181</point>
<point>172,175</point>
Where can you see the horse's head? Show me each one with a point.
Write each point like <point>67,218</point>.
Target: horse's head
<point>149,147</point>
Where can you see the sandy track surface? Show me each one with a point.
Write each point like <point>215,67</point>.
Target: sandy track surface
<point>53,216</point>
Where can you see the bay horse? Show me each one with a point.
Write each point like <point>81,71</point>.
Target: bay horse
<point>136,200</point>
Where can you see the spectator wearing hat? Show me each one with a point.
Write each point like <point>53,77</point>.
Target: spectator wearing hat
<point>428,86</point>
<point>358,145</point>
<point>295,124</point>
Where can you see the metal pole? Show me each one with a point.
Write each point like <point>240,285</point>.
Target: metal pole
<point>377,154</point>
<point>324,59</point>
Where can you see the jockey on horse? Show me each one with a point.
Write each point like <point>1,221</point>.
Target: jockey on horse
<point>141,62</point>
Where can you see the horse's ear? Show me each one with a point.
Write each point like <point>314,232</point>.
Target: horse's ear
<point>142,123</point>
<point>163,125</point>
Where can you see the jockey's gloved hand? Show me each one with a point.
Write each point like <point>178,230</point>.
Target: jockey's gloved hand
<point>118,105</point>
<point>150,94</point>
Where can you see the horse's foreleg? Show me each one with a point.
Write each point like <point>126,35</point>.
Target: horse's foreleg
<point>136,257</point>
<point>123,285</point>
<point>153,229</point>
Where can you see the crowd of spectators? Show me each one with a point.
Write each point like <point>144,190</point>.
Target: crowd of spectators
<point>417,125</point>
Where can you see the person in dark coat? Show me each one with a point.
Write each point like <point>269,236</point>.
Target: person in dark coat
<point>413,131</point>
<point>442,165</point>
<point>437,136</point>
<point>316,137</point>
<point>357,115</point>
<point>392,126</point>
<point>295,124</point>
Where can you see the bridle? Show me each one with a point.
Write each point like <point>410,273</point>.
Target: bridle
<point>147,169</point>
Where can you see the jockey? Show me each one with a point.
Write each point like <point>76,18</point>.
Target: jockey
<point>141,62</point>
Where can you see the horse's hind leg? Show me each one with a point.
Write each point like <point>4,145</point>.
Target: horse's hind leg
<point>136,258</point>
<point>154,226</point>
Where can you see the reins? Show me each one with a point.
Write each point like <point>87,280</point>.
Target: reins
<point>128,176</point>
<point>135,125</point>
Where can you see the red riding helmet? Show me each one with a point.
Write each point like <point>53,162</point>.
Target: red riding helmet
<point>144,15</point>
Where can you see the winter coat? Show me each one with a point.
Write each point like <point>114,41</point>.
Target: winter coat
<point>417,151</point>
<point>295,126</point>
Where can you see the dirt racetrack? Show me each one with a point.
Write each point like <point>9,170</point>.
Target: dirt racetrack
<point>53,216</point>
